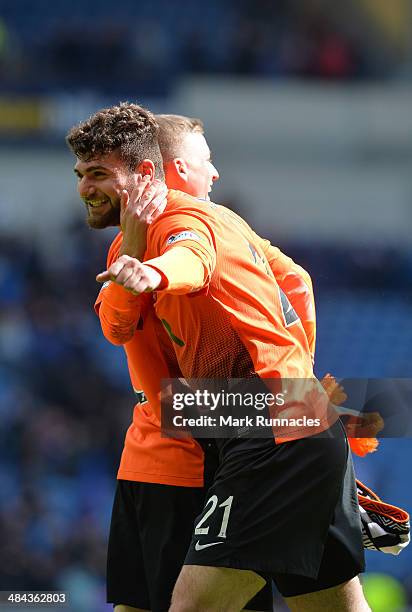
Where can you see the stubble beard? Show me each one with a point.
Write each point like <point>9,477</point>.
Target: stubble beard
<point>110,219</point>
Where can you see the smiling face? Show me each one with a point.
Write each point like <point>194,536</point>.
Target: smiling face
<point>100,184</point>
<point>113,147</point>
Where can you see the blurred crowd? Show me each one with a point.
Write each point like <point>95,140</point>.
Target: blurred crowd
<point>65,404</point>
<point>76,45</point>
<point>65,396</point>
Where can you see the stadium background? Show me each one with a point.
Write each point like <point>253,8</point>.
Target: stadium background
<point>307,107</point>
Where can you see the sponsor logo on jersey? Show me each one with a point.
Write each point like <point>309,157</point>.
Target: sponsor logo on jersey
<point>186,235</point>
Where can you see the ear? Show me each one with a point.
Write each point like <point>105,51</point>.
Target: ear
<point>146,168</point>
<point>180,168</point>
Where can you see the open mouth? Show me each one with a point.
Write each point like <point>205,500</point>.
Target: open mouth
<point>96,203</point>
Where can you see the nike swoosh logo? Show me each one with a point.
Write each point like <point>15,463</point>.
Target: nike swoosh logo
<point>201,546</point>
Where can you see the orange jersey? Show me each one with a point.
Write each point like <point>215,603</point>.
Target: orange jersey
<point>147,457</point>
<point>222,307</point>
<point>130,320</point>
<point>225,313</point>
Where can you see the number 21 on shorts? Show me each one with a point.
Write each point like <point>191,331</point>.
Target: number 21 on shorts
<point>213,501</point>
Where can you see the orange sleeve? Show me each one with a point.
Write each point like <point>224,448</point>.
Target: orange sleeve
<point>119,313</point>
<point>296,282</point>
<point>183,251</point>
<point>182,269</point>
<point>119,310</point>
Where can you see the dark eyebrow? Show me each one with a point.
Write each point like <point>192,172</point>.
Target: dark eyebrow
<point>91,169</point>
<point>94,168</point>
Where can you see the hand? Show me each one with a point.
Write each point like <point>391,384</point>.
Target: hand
<point>131,274</point>
<point>137,211</point>
<point>335,391</point>
<point>366,425</point>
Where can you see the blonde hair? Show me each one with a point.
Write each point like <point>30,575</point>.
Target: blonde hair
<point>171,130</point>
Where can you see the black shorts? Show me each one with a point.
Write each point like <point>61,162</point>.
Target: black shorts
<point>287,511</point>
<point>150,533</point>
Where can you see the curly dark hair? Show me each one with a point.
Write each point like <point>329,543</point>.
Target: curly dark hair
<point>127,128</point>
